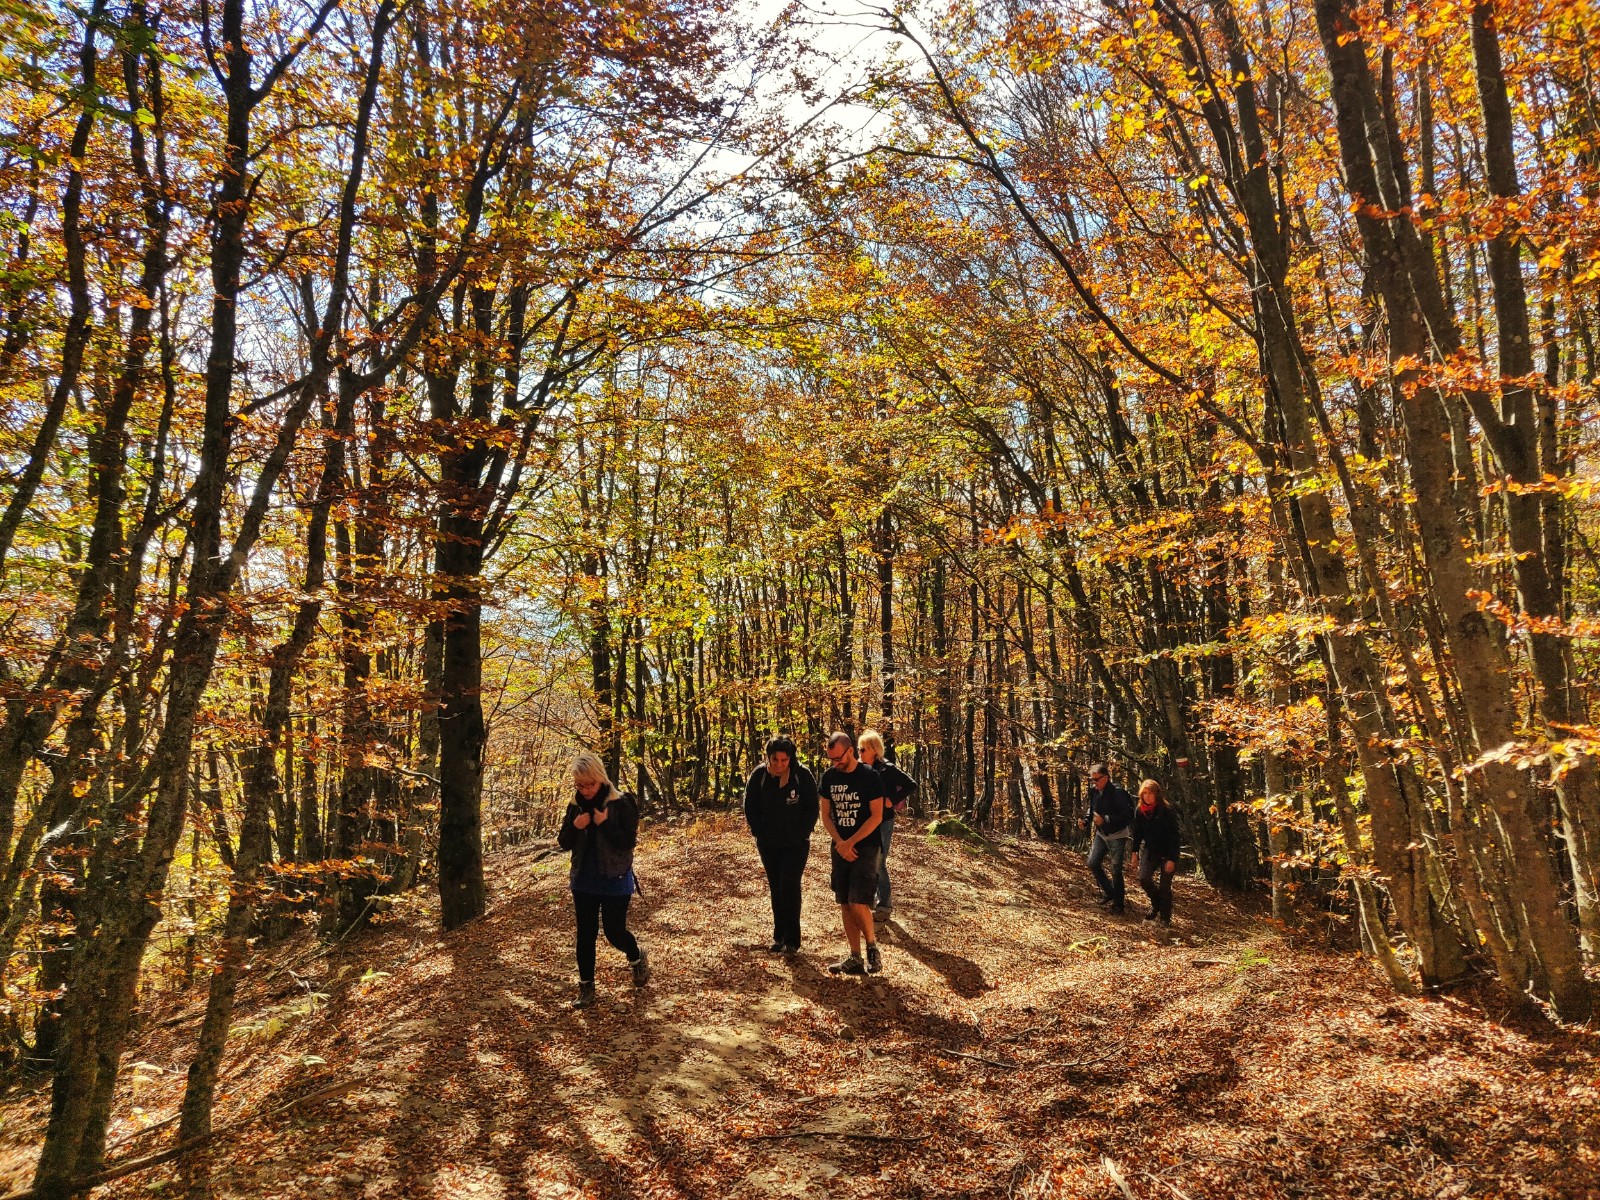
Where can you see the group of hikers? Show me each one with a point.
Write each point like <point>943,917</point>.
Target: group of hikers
<point>864,794</point>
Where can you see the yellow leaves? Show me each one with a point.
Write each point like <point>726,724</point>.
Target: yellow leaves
<point>1589,274</point>
<point>1034,41</point>
<point>1162,538</point>
<point>1254,629</point>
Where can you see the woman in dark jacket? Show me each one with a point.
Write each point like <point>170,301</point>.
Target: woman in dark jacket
<point>898,787</point>
<point>1155,827</point>
<point>601,829</point>
<point>780,805</point>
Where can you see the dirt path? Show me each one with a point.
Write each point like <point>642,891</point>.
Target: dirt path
<point>1017,1040</point>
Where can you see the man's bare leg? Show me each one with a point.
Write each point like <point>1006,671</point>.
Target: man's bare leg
<point>852,931</point>
<point>863,918</point>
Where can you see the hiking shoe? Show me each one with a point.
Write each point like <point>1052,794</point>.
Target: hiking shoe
<point>874,959</point>
<point>1151,915</point>
<point>1116,910</point>
<point>776,948</point>
<point>850,964</point>
<point>1103,901</point>
<point>883,912</point>
<point>641,969</point>
<point>585,996</point>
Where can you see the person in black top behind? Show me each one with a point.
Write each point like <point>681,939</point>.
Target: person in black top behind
<point>1111,812</point>
<point>897,789</point>
<point>780,806</point>
<point>1155,828</point>
<point>852,814</point>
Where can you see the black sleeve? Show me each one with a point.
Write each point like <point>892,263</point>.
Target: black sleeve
<point>810,809</point>
<point>621,828</point>
<point>752,798</point>
<point>1173,838</point>
<point>1121,812</point>
<point>1138,833</point>
<point>897,785</point>
<point>568,837</point>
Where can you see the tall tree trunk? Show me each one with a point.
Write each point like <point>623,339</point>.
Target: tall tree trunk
<point>1395,263</point>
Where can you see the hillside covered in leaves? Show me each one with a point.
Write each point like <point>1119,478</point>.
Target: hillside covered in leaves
<point>1019,1043</point>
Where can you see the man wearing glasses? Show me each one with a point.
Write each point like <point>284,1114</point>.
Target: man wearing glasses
<point>852,814</point>
<point>1111,811</point>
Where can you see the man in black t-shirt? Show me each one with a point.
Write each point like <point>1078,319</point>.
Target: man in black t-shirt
<point>852,810</point>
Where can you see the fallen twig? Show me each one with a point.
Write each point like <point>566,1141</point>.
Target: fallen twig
<point>1032,1030</point>
<point>993,1062</point>
<point>139,1133</point>
<point>1111,1169</point>
<point>155,1160</point>
<point>1082,1062</point>
<point>1208,962</point>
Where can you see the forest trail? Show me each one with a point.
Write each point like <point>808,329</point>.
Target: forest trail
<point>1016,1040</point>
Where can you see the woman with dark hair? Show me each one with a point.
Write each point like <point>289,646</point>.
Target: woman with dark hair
<point>601,829</point>
<point>780,806</point>
<point>1155,827</point>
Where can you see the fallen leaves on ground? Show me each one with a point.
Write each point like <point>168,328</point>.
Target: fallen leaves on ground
<point>1020,1043</point>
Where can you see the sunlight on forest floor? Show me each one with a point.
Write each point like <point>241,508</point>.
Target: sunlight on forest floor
<point>1017,1039</point>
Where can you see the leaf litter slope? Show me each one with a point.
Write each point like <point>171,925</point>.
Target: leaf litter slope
<point>1017,1039</point>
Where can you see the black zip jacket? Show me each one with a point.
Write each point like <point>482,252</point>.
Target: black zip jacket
<point>611,843</point>
<point>1158,832</point>
<point>1116,806</point>
<point>781,816</point>
<point>897,785</point>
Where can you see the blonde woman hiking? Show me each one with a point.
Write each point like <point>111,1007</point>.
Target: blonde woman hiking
<point>897,789</point>
<point>601,829</point>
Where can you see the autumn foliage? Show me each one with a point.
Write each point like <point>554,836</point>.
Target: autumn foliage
<point>397,396</point>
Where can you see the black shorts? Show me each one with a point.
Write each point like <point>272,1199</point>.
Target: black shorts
<point>856,882</point>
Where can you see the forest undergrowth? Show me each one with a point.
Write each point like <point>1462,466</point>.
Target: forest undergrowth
<point>1019,1043</point>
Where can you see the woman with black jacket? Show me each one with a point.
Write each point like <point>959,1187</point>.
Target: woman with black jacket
<point>601,829</point>
<point>1155,827</point>
<point>898,787</point>
<point>780,806</point>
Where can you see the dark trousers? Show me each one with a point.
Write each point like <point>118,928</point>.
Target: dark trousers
<point>885,833</point>
<point>593,911</point>
<point>784,866</point>
<point>1109,848</point>
<point>1160,893</point>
